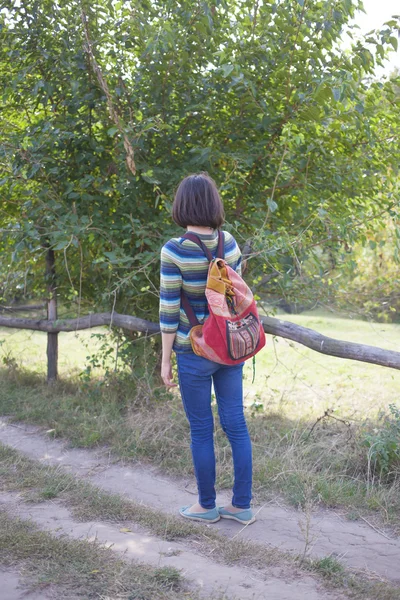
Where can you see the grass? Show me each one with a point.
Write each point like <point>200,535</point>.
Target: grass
<point>28,348</point>
<point>81,568</point>
<point>301,383</point>
<point>290,379</point>
<point>87,566</point>
<point>329,467</point>
<point>329,565</point>
<point>87,502</point>
<point>308,414</point>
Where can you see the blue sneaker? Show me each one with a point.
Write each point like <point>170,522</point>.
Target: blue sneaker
<point>245,517</point>
<point>211,516</point>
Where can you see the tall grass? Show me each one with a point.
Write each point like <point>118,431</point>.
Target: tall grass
<point>311,417</point>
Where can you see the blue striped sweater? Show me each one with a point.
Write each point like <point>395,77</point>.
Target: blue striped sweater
<point>183,264</point>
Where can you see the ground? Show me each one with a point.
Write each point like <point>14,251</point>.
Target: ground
<point>310,540</point>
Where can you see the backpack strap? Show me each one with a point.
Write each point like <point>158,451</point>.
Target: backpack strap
<point>187,307</point>
<point>221,245</point>
<point>196,240</point>
<point>219,254</point>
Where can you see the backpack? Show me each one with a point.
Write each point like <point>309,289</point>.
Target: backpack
<point>232,332</point>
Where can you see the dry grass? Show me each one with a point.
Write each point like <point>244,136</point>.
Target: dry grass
<point>81,568</point>
<point>329,465</point>
<point>87,502</point>
<point>40,482</point>
<point>294,387</point>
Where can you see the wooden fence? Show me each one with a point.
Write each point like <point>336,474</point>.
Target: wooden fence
<point>273,326</point>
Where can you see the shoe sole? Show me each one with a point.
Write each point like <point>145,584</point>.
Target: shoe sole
<point>238,520</point>
<point>200,519</point>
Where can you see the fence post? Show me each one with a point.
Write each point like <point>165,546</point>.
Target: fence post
<point>52,338</point>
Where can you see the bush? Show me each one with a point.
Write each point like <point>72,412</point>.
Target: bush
<point>371,284</point>
<point>384,445</point>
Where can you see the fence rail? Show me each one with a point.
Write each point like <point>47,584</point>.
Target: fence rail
<point>303,335</point>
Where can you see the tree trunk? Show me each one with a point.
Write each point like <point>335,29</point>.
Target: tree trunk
<point>52,338</point>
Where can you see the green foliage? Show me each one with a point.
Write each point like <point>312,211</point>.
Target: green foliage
<point>168,577</point>
<point>384,444</point>
<point>123,360</point>
<point>370,284</point>
<point>298,134</point>
<point>329,565</point>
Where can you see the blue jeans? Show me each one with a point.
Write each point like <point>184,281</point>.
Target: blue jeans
<point>195,375</point>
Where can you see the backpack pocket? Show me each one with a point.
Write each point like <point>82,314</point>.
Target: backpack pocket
<point>242,336</point>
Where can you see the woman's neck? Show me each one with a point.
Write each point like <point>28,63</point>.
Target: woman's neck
<point>199,229</point>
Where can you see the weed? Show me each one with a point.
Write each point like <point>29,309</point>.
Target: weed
<point>49,492</point>
<point>329,566</point>
<point>168,578</point>
<point>305,522</point>
<point>383,445</point>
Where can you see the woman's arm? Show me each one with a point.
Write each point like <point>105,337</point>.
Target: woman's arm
<point>166,367</point>
<point>170,304</point>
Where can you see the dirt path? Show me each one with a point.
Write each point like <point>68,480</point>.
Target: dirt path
<point>356,544</point>
<point>13,587</point>
<point>205,574</point>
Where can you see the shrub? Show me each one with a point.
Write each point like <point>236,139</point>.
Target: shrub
<point>384,445</point>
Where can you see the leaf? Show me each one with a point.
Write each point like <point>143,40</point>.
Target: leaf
<point>61,245</point>
<point>227,69</point>
<point>148,176</point>
<point>336,93</point>
<point>110,255</point>
<point>272,205</point>
<point>112,131</point>
<point>323,94</point>
<point>360,108</point>
<point>34,170</point>
<point>311,113</point>
<point>125,530</point>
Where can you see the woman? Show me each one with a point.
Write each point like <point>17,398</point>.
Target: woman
<point>198,208</point>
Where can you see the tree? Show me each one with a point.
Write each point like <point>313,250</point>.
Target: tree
<point>106,106</point>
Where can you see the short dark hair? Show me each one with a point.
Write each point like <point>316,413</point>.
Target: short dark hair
<point>197,202</point>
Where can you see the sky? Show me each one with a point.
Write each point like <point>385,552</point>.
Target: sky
<point>377,12</point>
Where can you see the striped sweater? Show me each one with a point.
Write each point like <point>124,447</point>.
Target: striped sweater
<point>183,264</point>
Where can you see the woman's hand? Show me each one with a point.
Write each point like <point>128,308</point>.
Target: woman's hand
<point>166,373</point>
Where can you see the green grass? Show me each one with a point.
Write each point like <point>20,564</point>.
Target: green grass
<point>290,378</point>
<point>28,349</point>
<point>86,567</point>
<point>293,387</point>
<point>38,483</point>
<point>301,383</point>
<point>81,568</point>
<point>329,566</point>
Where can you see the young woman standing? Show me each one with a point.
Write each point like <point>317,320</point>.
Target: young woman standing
<point>198,208</point>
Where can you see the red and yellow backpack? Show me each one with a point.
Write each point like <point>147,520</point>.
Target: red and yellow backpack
<point>232,332</point>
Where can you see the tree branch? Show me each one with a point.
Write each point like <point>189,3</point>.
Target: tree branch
<point>22,307</point>
<point>130,161</point>
<point>307,337</point>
